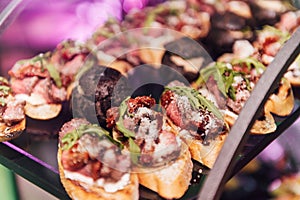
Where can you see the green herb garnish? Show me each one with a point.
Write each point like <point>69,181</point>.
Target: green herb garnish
<point>71,138</point>
<point>42,59</point>
<point>196,99</point>
<point>105,33</point>
<point>216,71</point>
<point>39,58</point>
<point>5,89</point>
<point>250,62</point>
<point>2,101</point>
<point>3,80</point>
<point>134,148</point>
<point>152,14</point>
<point>283,36</point>
<point>54,74</point>
<point>224,76</point>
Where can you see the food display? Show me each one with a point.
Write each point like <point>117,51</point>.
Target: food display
<point>149,122</point>
<point>235,80</point>
<point>44,81</point>
<point>83,174</point>
<point>153,143</point>
<point>197,120</point>
<point>12,117</point>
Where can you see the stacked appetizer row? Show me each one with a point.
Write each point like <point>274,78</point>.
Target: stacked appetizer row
<point>137,121</point>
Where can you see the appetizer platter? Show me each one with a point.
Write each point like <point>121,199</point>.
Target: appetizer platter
<point>121,121</point>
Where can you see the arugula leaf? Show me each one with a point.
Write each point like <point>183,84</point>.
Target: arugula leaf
<point>224,76</point>
<point>196,99</point>
<point>249,62</point>
<point>71,138</point>
<point>152,14</point>
<point>38,58</point>
<point>120,125</point>
<point>127,133</point>
<point>133,147</point>
<point>134,151</point>
<point>54,74</point>
<point>216,71</point>
<point>43,59</point>
<point>5,89</point>
<point>3,80</point>
<point>283,35</point>
<point>2,101</point>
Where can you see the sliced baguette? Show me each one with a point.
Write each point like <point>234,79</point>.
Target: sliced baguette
<point>281,103</point>
<point>11,132</point>
<point>264,126</point>
<point>43,111</point>
<point>76,191</point>
<point>171,181</point>
<point>206,154</point>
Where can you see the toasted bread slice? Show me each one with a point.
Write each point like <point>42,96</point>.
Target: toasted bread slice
<point>43,111</point>
<point>282,102</point>
<point>38,108</point>
<point>295,81</point>
<point>76,191</point>
<point>264,125</point>
<point>11,132</point>
<point>206,154</point>
<point>171,181</point>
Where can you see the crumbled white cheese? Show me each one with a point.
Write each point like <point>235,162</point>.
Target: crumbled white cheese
<point>115,186</point>
<point>211,123</point>
<point>237,80</point>
<point>143,127</point>
<point>184,105</point>
<point>153,132</point>
<point>142,111</point>
<point>110,187</point>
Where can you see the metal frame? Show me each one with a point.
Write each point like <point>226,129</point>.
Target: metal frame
<point>239,133</point>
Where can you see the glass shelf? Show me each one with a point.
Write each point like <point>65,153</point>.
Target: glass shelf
<point>33,154</point>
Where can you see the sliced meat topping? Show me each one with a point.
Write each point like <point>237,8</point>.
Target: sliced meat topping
<point>91,155</point>
<point>212,87</point>
<point>144,101</point>
<point>146,127</point>
<point>200,123</point>
<point>24,86</point>
<point>57,94</point>
<point>70,126</point>
<point>241,96</point>
<point>68,57</point>
<point>74,159</point>
<point>28,70</point>
<point>112,116</point>
<point>11,109</point>
<point>14,111</point>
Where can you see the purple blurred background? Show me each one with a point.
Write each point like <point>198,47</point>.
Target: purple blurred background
<point>39,25</point>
